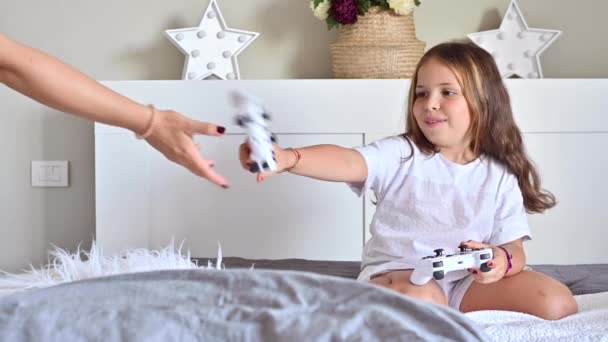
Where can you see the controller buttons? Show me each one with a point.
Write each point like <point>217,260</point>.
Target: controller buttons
<point>438,275</point>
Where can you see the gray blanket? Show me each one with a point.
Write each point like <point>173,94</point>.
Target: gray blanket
<point>229,305</point>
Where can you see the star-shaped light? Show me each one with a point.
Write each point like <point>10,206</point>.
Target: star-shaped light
<point>515,47</point>
<point>212,47</point>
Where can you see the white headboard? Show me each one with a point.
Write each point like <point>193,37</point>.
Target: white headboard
<point>143,200</point>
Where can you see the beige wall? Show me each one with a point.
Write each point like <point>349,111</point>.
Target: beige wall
<point>122,40</point>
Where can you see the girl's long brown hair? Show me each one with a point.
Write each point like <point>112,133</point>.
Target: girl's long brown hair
<point>493,130</point>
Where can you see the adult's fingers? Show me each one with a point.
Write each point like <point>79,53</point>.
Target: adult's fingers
<point>206,128</point>
<point>204,168</point>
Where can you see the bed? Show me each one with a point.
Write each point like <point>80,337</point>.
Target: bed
<point>290,272</point>
<point>281,300</point>
<point>329,241</point>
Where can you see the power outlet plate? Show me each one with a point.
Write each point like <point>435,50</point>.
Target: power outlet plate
<point>50,173</point>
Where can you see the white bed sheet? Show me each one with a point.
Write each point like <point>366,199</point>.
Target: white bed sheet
<point>589,324</point>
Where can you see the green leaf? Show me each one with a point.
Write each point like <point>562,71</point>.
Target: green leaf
<point>331,22</point>
<point>381,3</point>
<point>317,2</point>
<point>363,6</point>
<point>417,2</point>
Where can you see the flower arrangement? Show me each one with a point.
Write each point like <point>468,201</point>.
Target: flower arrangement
<point>346,12</point>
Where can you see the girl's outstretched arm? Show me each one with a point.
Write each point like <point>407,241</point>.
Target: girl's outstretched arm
<point>324,162</point>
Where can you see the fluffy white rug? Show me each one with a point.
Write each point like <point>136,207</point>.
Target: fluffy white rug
<point>66,267</point>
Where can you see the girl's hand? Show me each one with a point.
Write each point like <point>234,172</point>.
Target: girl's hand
<point>498,264</point>
<point>284,159</point>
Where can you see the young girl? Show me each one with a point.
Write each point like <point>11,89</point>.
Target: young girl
<point>459,174</point>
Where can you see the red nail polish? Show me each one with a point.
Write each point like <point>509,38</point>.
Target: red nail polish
<point>490,263</point>
<point>475,272</point>
<point>221,129</point>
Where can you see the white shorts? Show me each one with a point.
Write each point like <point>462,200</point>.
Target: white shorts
<point>455,290</point>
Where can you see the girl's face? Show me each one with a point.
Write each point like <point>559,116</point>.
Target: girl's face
<point>440,109</point>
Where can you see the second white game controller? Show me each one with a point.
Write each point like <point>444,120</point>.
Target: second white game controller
<point>252,116</point>
<point>436,266</point>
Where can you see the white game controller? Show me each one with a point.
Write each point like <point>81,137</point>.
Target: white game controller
<point>252,116</point>
<point>436,266</point>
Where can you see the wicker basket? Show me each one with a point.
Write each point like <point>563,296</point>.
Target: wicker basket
<point>380,44</point>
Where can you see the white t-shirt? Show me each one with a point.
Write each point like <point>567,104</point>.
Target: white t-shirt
<point>427,202</point>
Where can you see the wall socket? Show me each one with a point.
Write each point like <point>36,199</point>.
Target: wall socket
<point>50,173</point>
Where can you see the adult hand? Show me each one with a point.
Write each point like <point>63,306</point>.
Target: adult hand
<point>173,137</point>
<point>57,85</point>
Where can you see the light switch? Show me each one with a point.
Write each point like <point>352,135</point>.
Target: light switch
<point>50,173</point>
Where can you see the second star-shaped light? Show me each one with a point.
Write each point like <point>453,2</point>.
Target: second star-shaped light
<point>212,47</point>
<point>515,47</point>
